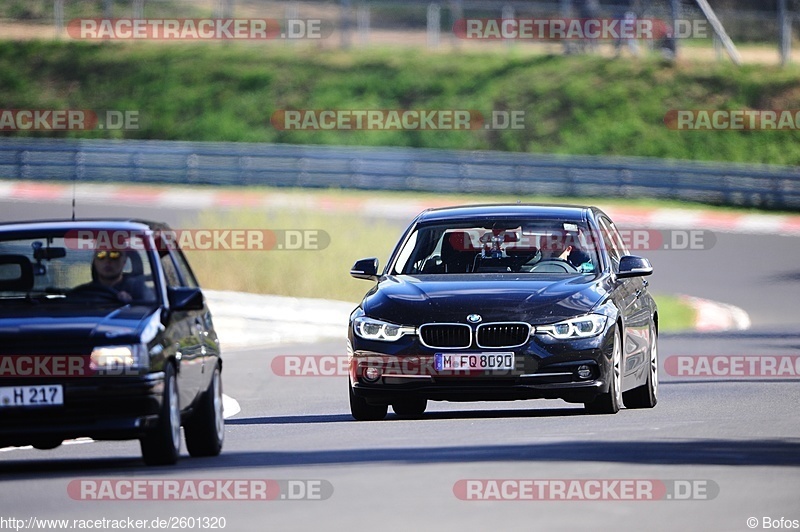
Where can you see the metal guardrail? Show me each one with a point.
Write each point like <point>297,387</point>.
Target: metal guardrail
<point>235,164</point>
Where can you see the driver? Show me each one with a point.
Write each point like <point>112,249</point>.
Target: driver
<point>107,266</point>
<point>562,245</point>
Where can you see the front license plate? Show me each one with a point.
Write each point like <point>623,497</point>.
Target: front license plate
<point>480,361</point>
<point>45,395</point>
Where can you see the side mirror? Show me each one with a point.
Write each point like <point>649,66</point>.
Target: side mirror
<point>633,266</point>
<point>365,269</point>
<point>183,298</point>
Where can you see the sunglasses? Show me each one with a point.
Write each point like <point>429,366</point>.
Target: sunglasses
<point>103,255</point>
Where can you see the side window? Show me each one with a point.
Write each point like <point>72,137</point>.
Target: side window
<point>621,246</point>
<point>184,269</point>
<point>170,271</point>
<point>610,243</point>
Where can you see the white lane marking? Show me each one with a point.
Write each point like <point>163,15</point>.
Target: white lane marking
<point>675,218</point>
<point>186,198</point>
<point>230,407</point>
<point>6,449</point>
<point>760,224</point>
<point>713,316</point>
<point>76,441</point>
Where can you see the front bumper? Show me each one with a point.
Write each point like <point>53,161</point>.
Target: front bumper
<point>102,408</point>
<point>543,369</point>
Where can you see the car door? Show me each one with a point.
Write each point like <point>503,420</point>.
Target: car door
<point>209,342</point>
<point>186,329</point>
<point>630,302</point>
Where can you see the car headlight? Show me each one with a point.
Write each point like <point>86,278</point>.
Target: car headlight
<point>371,329</point>
<point>119,357</point>
<point>581,327</point>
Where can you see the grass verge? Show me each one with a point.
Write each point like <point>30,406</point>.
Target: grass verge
<point>323,273</point>
<point>572,104</point>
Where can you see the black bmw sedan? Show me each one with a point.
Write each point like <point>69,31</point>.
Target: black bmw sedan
<point>104,333</point>
<point>504,302</point>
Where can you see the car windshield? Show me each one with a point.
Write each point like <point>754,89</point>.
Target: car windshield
<point>58,269</point>
<point>502,246</point>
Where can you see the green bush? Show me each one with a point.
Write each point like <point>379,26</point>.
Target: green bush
<point>573,104</point>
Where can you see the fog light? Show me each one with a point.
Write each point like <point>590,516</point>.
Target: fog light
<point>372,374</point>
<point>584,372</point>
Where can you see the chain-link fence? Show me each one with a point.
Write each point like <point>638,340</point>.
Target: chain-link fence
<point>435,24</point>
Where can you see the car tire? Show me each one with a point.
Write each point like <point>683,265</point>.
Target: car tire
<point>410,408</point>
<point>361,410</point>
<point>646,395</point>
<point>610,401</point>
<point>162,445</point>
<point>205,431</point>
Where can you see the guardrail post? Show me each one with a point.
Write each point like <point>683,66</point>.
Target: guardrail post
<point>79,170</point>
<point>191,168</point>
<point>241,169</point>
<point>22,167</point>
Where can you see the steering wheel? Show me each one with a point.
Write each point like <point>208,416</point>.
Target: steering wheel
<point>96,289</point>
<point>554,266</point>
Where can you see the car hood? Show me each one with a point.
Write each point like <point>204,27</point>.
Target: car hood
<point>35,328</point>
<point>450,298</point>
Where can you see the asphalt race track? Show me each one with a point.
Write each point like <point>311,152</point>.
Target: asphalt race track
<point>716,451</point>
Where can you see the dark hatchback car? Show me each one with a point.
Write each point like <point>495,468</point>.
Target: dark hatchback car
<point>104,333</point>
<point>504,302</point>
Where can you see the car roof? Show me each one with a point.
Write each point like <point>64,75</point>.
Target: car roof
<point>111,224</point>
<point>511,210</point>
